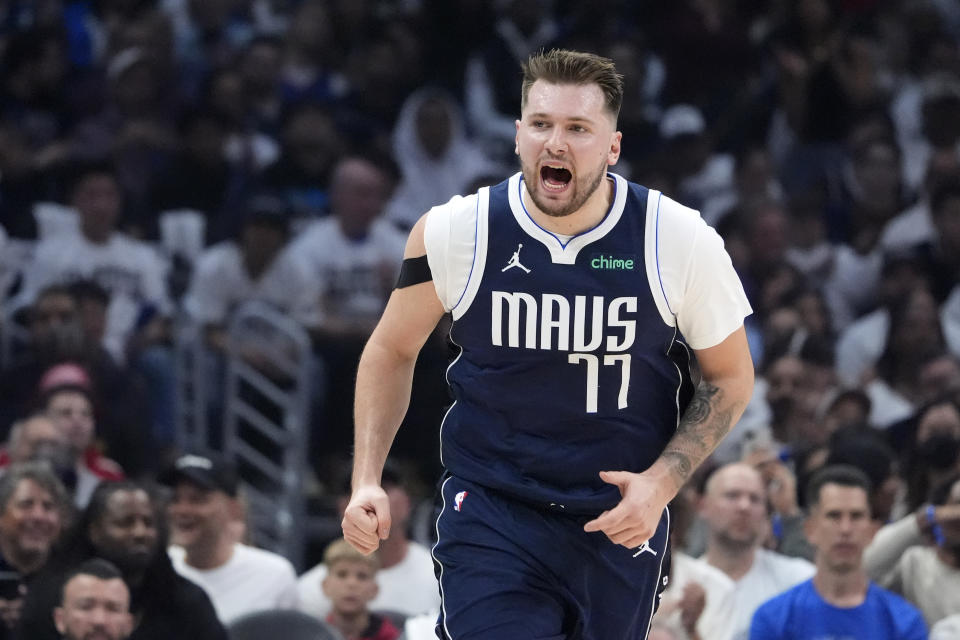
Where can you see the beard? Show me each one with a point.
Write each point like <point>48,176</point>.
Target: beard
<point>582,188</point>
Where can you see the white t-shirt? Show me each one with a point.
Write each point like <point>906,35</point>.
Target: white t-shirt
<point>715,621</point>
<point>251,580</point>
<point>221,282</point>
<point>409,587</point>
<point>770,575</point>
<point>132,272</point>
<point>689,272</point>
<point>353,277</point>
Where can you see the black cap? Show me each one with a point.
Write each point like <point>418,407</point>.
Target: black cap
<point>267,209</point>
<point>208,472</point>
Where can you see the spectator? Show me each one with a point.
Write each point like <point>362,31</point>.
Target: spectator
<point>128,269</point>
<point>123,524</point>
<point>33,511</point>
<point>239,579</point>
<point>436,158</point>
<point>701,174</point>
<point>915,335</point>
<point>66,400</point>
<point>946,629</point>
<point>37,439</point>
<point>302,175</point>
<point>351,584</point>
<point>918,556</point>
<point>354,256</point>
<point>933,452</point>
<point>95,604</point>
<point>256,266</point>
<point>734,507</point>
<point>840,600</point>
<point>685,607</point>
<point>405,580</point>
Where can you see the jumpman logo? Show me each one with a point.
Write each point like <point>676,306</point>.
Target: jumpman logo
<point>645,547</point>
<point>515,260</point>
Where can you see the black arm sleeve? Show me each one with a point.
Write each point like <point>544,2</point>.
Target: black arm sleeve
<point>414,271</point>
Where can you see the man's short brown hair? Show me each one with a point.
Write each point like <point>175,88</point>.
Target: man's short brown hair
<point>562,66</point>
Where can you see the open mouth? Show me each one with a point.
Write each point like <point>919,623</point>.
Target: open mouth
<point>555,178</point>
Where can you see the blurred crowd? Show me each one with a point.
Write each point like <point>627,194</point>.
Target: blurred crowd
<point>167,161</point>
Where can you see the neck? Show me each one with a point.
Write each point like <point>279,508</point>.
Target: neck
<point>586,217</point>
<point>95,236</point>
<point>733,561</point>
<point>392,551</point>
<point>843,589</point>
<point>350,625</point>
<point>204,557</point>
<point>24,562</point>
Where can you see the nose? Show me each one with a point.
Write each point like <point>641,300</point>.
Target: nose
<point>557,142</point>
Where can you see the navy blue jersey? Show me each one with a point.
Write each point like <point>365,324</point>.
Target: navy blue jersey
<point>567,367</point>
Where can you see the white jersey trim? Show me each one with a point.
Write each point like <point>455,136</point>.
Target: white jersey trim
<point>651,257</point>
<point>566,252</point>
<point>433,552</point>
<point>479,255</point>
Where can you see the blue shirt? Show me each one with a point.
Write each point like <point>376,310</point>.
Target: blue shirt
<point>801,613</point>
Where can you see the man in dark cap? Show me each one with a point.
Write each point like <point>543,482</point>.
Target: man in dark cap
<point>202,514</point>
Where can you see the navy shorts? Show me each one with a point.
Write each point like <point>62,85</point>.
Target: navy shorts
<point>509,570</point>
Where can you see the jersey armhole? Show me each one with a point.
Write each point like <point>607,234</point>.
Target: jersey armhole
<point>652,259</point>
<point>479,255</point>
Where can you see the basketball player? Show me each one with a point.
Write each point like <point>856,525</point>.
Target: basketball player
<point>576,420</point>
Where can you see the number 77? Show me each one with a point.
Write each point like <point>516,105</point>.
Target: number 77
<point>593,376</point>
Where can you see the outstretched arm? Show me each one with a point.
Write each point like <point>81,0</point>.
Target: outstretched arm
<point>717,404</point>
<point>384,380</point>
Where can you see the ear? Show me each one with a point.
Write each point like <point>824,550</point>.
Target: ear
<point>59,620</point>
<point>808,528</point>
<point>323,585</point>
<point>516,140</point>
<point>614,154</point>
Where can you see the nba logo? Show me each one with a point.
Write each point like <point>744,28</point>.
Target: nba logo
<point>458,500</point>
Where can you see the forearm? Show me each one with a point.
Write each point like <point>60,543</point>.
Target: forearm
<point>714,409</point>
<point>384,381</point>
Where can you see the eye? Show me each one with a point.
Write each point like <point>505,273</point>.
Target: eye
<point>578,128</point>
<point>539,124</point>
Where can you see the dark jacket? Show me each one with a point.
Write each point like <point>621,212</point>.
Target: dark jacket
<point>165,606</point>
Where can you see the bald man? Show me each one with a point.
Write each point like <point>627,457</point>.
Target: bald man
<point>735,509</point>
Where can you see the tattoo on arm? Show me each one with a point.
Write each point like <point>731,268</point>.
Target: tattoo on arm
<point>704,423</point>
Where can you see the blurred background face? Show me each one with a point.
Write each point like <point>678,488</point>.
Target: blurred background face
<point>358,195</point>
<point>198,516</point>
<point>839,527</point>
<point>434,127</point>
<point>72,412</point>
<point>54,323</point>
<point>918,334</point>
<point>788,384</point>
<point>735,507</point>
<point>126,535</point>
<point>350,585</point>
<point>94,609</point>
<point>40,439</point>
<point>98,200</point>
<point>261,243</point>
<point>311,141</point>
<point>31,522</point>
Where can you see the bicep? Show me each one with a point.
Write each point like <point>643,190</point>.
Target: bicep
<point>728,360</point>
